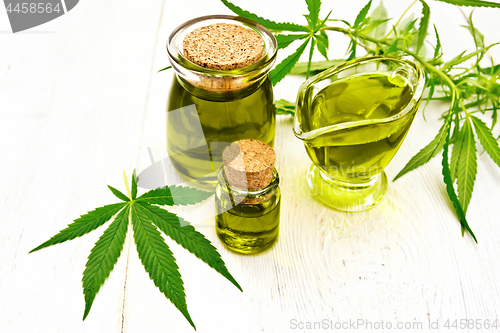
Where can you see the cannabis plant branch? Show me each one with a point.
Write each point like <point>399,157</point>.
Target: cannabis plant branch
<point>469,89</point>
<point>148,222</point>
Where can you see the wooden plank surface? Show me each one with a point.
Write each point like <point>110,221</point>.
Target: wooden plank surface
<point>72,100</point>
<point>80,102</point>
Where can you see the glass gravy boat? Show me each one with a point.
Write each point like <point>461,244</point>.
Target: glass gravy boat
<point>352,119</point>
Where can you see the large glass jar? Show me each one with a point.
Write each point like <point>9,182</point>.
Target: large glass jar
<point>210,108</point>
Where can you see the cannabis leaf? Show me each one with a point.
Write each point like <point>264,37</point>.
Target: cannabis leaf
<point>103,257</point>
<point>83,225</point>
<point>437,49</point>
<point>271,25</point>
<point>478,36</point>
<point>379,16</point>
<point>164,69</point>
<point>185,235</point>
<point>313,6</point>
<point>285,107</point>
<point>428,152</point>
<point>316,66</point>
<point>323,44</point>
<point>284,67</point>
<point>311,50</point>
<point>457,146</point>
<point>393,48</point>
<point>487,140</point>
<point>285,40</point>
<point>118,194</point>
<point>451,191</point>
<point>148,221</point>
<point>461,58</point>
<point>362,15</point>
<point>472,3</point>
<point>467,165</point>
<point>158,260</point>
<point>352,49</point>
<point>424,25</point>
<point>174,195</point>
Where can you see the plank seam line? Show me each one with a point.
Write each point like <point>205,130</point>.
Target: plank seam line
<point>129,231</point>
<point>124,292</point>
<point>151,71</point>
<point>139,152</point>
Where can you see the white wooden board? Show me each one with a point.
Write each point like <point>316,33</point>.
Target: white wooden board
<point>81,102</point>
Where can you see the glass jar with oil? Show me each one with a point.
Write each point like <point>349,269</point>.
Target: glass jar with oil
<point>352,119</point>
<point>221,91</point>
<point>248,198</point>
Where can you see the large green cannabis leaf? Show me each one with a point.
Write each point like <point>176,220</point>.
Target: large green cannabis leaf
<point>469,89</point>
<point>147,222</point>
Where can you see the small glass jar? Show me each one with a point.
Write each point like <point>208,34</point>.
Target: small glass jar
<point>247,221</point>
<point>210,108</point>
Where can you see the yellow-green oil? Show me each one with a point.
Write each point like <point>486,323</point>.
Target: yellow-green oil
<point>364,141</point>
<point>247,222</point>
<point>224,118</point>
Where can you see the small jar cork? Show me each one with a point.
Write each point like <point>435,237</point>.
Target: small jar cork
<point>223,46</point>
<point>249,164</point>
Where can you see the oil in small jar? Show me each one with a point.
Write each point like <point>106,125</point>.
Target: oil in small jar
<point>248,198</point>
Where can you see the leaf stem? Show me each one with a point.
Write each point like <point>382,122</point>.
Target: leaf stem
<point>399,20</point>
<point>464,109</point>
<point>126,185</point>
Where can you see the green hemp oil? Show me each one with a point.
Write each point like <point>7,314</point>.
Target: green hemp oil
<point>363,150</point>
<point>247,198</point>
<point>232,117</point>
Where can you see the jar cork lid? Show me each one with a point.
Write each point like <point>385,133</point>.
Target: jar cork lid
<point>248,164</point>
<point>223,46</point>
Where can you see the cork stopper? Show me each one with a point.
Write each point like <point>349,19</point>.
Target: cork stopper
<point>223,46</point>
<point>249,164</point>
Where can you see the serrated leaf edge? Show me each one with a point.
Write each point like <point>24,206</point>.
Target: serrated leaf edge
<point>423,25</point>
<point>120,195</point>
<point>81,227</point>
<point>190,234</point>
<point>472,3</point>
<point>271,25</point>
<point>488,142</point>
<point>362,15</point>
<point>451,191</point>
<point>284,67</point>
<point>90,289</point>
<point>173,196</point>
<point>426,153</point>
<point>177,297</point>
<point>467,166</point>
